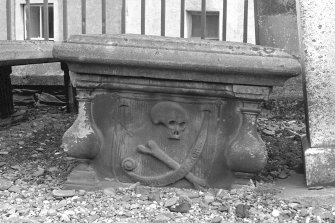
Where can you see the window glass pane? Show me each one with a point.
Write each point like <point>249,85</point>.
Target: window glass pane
<point>196,26</point>
<point>212,26</point>
<point>35,21</point>
<point>51,21</point>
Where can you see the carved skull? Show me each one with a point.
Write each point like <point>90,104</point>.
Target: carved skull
<point>172,116</point>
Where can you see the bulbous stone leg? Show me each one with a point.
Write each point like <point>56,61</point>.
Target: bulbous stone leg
<point>247,153</point>
<point>81,140</point>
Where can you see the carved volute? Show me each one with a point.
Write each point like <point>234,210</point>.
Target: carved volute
<point>247,153</point>
<point>81,139</point>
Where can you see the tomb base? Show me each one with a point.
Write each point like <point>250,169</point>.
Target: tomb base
<point>166,111</point>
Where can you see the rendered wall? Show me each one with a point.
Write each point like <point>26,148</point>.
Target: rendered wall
<point>93,17</point>
<point>153,17</point>
<point>3,26</point>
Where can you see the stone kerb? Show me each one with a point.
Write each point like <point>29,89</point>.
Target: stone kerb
<point>167,111</point>
<point>316,30</point>
<point>25,52</point>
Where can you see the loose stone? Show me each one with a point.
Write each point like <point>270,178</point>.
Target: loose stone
<point>110,191</point>
<point>294,205</point>
<point>39,172</point>
<point>16,167</point>
<point>190,194</point>
<point>15,189</point>
<point>283,175</point>
<point>216,219</point>
<point>161,219</point>
<point>154,197</point>
<point>126,198</point>
<point>242,211</point>
<point>5,184</point>
<point>183,206</point>
<point>142,190</point>
<point>316,188</point>
<point>223,208</point>
<point>134,206</point>
<point>81,192</point>
<point>304,212</point>
<point>63,193</point>
<point>209,199</point>
<point>52,212</point>
<point>275,213</point>
<point>134,186</point>
<point>53,169</point>
<point>171,201</point>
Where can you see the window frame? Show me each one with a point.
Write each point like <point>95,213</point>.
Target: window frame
<point>192,13</point>
<point>19,19</point>
<point>40,5</point>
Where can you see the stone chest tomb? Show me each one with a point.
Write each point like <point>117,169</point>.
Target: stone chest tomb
<point>167,111</point>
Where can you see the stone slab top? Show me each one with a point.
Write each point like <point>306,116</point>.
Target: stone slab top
<point>224,62</point>
<point>25,52</point>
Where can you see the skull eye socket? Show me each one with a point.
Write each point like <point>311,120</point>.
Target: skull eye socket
<point>182,124</point>
<point>172,122</point>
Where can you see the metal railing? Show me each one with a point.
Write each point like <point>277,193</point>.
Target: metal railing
<point>123,19</point>
<point>6,100</point>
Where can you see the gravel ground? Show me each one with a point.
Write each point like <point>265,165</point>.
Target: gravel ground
<point>33,168</point>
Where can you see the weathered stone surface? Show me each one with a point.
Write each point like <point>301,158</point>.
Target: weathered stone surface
<point>316,23</point>
<point>26,52</point>
<point>167,111</point>
<point>319,165</point>
<point>226,61</point>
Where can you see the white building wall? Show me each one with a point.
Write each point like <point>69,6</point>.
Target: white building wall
<point>172,27</point>
<point>133,17</point>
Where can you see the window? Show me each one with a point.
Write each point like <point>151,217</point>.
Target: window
<point>36,17</point>
<point>212,25</point>
<point>36,21</point>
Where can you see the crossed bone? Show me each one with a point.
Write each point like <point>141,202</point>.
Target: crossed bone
<point>154,150</point>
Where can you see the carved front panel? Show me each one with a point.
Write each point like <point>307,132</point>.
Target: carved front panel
<point>162,140</point>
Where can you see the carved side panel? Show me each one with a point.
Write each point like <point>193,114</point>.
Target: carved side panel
<point>160,140</point>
